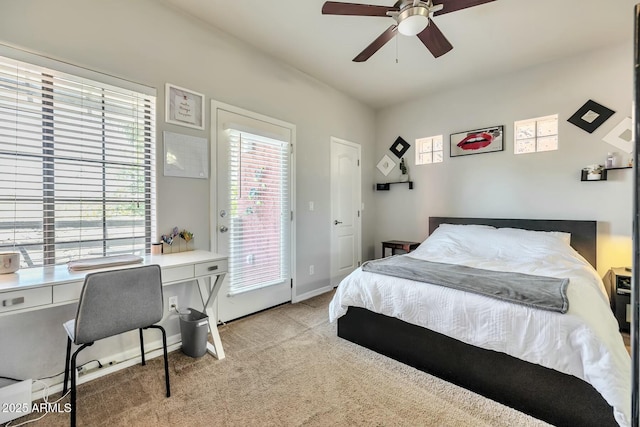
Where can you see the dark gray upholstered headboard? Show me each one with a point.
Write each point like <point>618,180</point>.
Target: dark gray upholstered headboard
<point>583,233</point>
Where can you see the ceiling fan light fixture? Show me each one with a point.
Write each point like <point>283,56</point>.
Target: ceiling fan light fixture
<point>413,20</point>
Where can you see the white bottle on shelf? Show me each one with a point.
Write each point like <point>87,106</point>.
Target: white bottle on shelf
<point>610,161</point>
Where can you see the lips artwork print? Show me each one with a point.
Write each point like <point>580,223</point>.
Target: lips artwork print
<point>477,141</point>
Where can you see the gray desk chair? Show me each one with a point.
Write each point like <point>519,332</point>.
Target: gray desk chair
<point>113,302</point>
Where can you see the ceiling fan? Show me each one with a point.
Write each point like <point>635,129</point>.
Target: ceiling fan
<point>413,18</point>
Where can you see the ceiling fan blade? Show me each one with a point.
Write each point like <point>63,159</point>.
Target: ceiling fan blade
<point>434,40</point>
<point>453,5</point>
<point>377,44</point>
<point>336,8</point>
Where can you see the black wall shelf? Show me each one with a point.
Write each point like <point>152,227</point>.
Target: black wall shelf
<point>603,175</point>
<point>387,185</point>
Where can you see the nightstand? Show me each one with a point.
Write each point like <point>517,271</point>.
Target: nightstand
<point>622,297</point>
<point>394,245</point>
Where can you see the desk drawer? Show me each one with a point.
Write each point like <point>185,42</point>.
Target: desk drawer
<point>18,300</point>
<point>177,274</point>
<point>214,267</point>
<point>67,292</point>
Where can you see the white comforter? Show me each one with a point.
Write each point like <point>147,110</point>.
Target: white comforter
<point>584,342</point>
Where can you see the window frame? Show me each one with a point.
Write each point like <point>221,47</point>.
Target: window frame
<point>143,110</point>
<point>433,141</point>
<point>536,137</point>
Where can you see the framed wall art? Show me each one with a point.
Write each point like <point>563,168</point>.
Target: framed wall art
<point>590,116</point>
<point>485,140</point>
<point>184,107</point>
<point>621,136</point>
<point>385,165</point>
<point>185,156</point>
<point>399,147</point>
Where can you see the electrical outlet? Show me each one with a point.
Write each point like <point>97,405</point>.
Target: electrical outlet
<point>312,270</point>
<point>173,303</point>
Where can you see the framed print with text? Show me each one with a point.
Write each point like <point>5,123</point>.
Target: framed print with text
<point>184,107</point>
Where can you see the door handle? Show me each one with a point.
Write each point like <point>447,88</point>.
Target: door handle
<point>336,222</point>
<point>223,229</point>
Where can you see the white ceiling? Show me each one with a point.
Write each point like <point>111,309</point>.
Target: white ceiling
<point>491,39</point>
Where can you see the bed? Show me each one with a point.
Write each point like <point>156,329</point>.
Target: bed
<point>566,369</point>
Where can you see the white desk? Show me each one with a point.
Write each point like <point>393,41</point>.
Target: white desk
<point>45,287</point>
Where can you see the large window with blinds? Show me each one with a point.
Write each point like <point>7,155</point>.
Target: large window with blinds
<point>77,164</point>
<point>259,211</point>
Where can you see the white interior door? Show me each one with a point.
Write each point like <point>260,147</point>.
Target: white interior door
<point>345,209</point>
<point>252,220</point>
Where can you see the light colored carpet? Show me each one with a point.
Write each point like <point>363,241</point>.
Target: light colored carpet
<point>284,367</point>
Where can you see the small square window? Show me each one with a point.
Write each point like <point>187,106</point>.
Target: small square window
<point>429,150</point>
<point>425,159</point>
<point>536,135</point>
<point>548,143</point>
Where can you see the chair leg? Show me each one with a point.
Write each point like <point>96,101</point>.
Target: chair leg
<point>142,347</point>
<point>66,367</point>
<point>73,383</point>
<point>166,359</point>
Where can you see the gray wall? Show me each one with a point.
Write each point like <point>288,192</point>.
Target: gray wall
<point>148,42</point>
<point>500,184</point>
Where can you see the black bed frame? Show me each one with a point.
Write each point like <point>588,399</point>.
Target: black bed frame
<point>546,394</point>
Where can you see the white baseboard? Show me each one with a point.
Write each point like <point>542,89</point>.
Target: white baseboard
<point>15,400</point>
<point>112,363</point>
<point>312,294</point>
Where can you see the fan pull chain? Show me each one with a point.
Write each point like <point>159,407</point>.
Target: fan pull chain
<point>396,48</point>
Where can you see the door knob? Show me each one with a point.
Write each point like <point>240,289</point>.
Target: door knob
<point>223,229</point>
<point>336,222</point>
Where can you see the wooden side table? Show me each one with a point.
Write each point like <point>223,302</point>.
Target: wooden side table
<point>398,244</point>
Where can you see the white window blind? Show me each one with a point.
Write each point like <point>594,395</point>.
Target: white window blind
<point>259,211</point>
<point>77,165</point>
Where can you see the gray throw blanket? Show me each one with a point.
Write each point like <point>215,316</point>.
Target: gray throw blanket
<point>546,293</point>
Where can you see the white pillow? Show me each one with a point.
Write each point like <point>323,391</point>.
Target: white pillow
<point>464,228</point>
<point>488,242</point>
<point>453,238</point>
<point>484,231</point>
<point>532,234</point>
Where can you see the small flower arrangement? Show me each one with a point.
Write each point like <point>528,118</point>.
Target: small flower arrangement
<point>168,238</point>
<point>404,170</point>
<point>185,235</point>
<point>594,172</point>
<point>403,166</point>
<point>595,169</point>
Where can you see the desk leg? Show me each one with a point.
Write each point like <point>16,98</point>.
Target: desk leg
<point>208,293</point>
